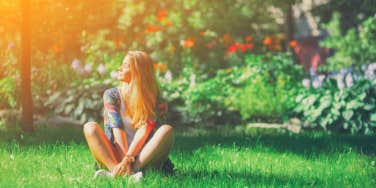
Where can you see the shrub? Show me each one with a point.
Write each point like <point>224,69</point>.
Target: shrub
<point>350,109</point>
<point>263,87</point>
<point>7,93</point>
<point>356,48</point>
<point>81,100</point>
<point>267,86</point>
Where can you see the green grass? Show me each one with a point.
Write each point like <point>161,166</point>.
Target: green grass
<point>59,157</point>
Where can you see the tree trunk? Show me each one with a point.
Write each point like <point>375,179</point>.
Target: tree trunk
<point>27,104</point>
<point>290,23</point>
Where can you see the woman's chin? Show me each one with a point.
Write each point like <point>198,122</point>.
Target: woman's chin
<point>120,78</point>
<point>123,80</point>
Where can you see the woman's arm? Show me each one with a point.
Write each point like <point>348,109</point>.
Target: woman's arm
<point>120,140</point>
<point>112,119</point>
<point>143,132</point>
<point>139,139</point>
<point>125,166</point>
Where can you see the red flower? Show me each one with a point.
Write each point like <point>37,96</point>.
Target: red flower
<point>226,38</point>
<point>241,47</point>
<point>248,38</point>
<point>168,23</point>
<point>152,29</point>
<point>232,48</point>
<point>293,43</point>
<point>245,47</point>
<point>162,13</point>
<point>267,40</point>
<point>188,43</point>
<point>160,66</point>
<point>161,18</point>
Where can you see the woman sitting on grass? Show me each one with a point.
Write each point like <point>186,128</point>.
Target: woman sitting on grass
<point>131,113</point>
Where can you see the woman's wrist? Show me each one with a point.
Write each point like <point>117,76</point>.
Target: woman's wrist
<point>128,159</point>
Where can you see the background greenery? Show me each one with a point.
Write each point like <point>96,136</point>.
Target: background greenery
<point>232,63</point>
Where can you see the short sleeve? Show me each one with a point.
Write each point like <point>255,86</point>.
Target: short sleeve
<point>111,102</point>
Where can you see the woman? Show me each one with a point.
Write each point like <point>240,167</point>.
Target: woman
<point>131,113</point>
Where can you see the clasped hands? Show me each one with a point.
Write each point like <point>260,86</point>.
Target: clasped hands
<point>124,168</point>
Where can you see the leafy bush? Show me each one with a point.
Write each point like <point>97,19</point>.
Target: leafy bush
<point>263,87</point>
<point>82,100</point>
<point>267,86</point>
<point>7,93</point>
<point>344,98</point>
<point>206,36</point>
<point>9,78</point>
<point>208,101</point>
<point>349,109</point>
<point>356,48</point>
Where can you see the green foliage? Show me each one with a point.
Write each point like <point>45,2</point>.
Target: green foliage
<point>9,78</point>
<point>83,83</point>
<point>263,87</point>
<point>196,98</point>
<point>97,49</point>
<point>356,47</point>
<point>206,35</point>
<point>345,110</point>
<point>7,94</point>
<point>353,12</point>
<point>81,100</point>
<point>268,85</point>
<point>208,100</point>
<point>178,34</point>
<point>48,77</point>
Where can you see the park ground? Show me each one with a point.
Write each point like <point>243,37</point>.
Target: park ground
<point>217,157</point>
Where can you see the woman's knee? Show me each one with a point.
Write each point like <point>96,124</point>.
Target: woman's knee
<point>90,128</point>
<point>167,130</point>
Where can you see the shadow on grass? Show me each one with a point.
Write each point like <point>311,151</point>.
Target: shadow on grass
<point>44,135</point>
<point>249,178</point>
<point>305,144</point>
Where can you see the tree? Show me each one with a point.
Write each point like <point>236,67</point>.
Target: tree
<point>27,105</point>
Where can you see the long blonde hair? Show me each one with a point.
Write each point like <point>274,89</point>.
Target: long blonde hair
<point>141,96</point>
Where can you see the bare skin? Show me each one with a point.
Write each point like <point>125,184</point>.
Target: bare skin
<point>153,153</point>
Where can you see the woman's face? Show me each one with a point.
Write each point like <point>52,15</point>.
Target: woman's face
<point>124,72</point>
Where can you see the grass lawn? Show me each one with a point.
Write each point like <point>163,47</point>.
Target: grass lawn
<point>59,157</point>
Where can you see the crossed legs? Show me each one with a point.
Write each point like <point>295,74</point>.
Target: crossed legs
<point>154,152</point>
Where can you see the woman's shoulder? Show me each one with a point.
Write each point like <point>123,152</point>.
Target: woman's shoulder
<point>111,93</point>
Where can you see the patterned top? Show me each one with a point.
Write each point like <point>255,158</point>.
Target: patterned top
<point>114,116</point>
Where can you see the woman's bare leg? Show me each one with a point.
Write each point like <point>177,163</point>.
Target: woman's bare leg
<point>156,150</point>
<point>100,146</point>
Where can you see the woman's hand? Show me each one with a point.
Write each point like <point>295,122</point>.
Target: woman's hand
<point>122,169</point>
<point>118,170</point>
